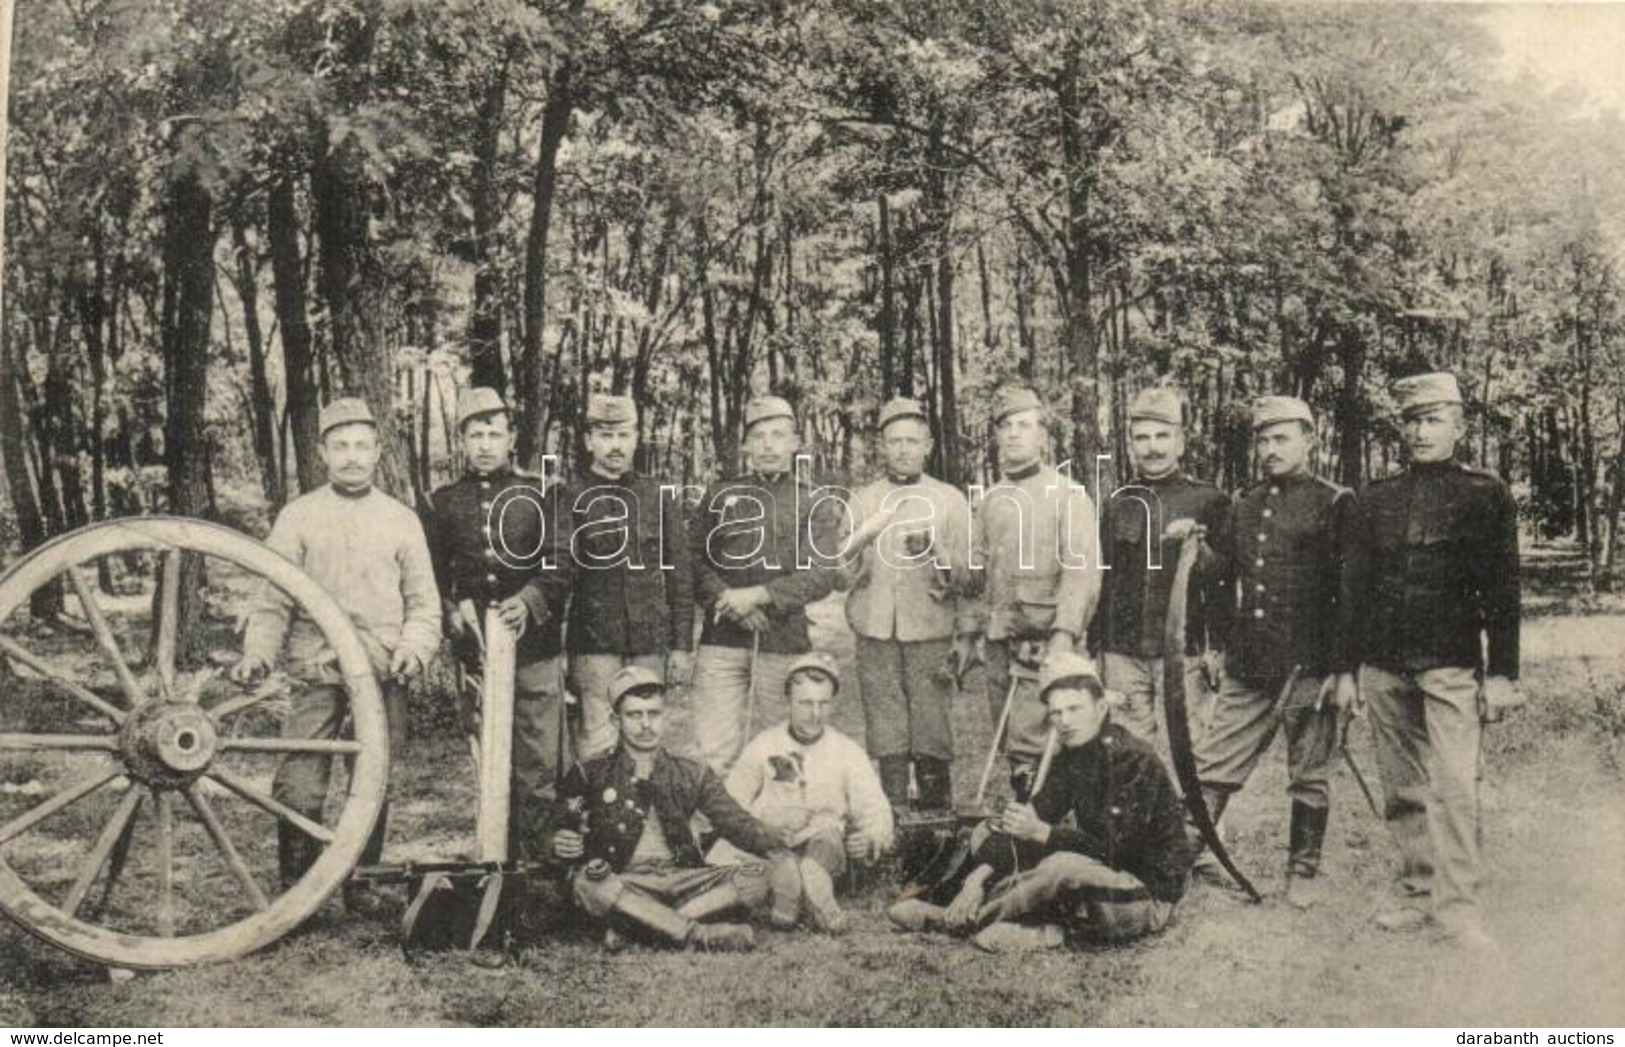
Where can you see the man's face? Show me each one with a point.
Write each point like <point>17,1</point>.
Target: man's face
<point>611,448</point>
<point>1021,437</point>
<point>812,699</point>
<point>906,444</point>
<point>1076,714</point>
<point>1283,448</point>
<point>642,721</point>
<point>487,442</point>
<point>1431,434</point>
<point>350,453</point>
<point>772,444</point>
<point>1156,447</point>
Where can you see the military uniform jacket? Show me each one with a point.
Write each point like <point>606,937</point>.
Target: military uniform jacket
<point>1440,541</point>
<point>1295,563</point>
<point>775,532</point>
<point>475,561</point>
<point>1123,812</point>
<point>605,801</point>
<point>1034,538</point>
<point>905,585</point>
<point>632,588</point>
<point>1134,600</point>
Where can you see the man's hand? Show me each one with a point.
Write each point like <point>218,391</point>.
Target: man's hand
<point>963,910</point>
<point>404,664</point>
<point>249,670</point>
<point>569,845</point>
<point>963,657</point>
<point>1496,697</point>
<point>679,668</point>
<point>859,848</point>
<point>514,614</point>
<point>737,604</point>
<point>1021,822</point>
<point>757,622</point>
<point>456,624</point>
<point>1182,528</point>
<point>1213,668</point>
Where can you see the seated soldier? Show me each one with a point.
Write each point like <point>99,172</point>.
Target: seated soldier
<point>1112,873</point>
<point>813,782</point>
<point>622,822</point>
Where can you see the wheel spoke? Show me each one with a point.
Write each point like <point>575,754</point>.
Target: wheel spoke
<point>238,704</point>
<point>105,638</point>
<point>26,742</point>
<point>18,653</point>
<point>115,868</point>
<point>169,621</point>
<point>100,852</point>
<point>26,821</point>
<point>334,747</point>
<point>271,805</point>
<point>217,833</point>
<point>162,802</point>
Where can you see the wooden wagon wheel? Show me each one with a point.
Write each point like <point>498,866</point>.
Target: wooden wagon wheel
<point>184,876</point>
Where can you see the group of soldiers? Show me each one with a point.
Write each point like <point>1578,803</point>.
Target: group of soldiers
<point>1306,604</point>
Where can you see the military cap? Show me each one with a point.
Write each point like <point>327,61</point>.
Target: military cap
<point>763,408</point>
<point>1014,399</point>
<point>1268,410</point>
<point>1158,404</point>
<point>480,400</point>
<point>611,410</point>
<point>630,678</point>
<point>814,662</point>
<point>1426,390</point>
<point>1066,667</point>
<point>344,411</point>
<point>901,407</point>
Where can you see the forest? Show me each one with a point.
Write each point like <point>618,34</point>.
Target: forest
<point>220,213</point>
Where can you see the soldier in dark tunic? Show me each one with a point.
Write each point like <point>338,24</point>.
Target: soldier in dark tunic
<point>487,535</point>
<point>1161,499</point>
<point>1291,653</point>
<point>1440,653</point>
<point>631,598</point>
<point>622,822</point>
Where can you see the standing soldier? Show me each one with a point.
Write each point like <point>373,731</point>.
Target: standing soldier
<point>1035,539</point>
<point>632,600</point>
<point>485,531</point>
<point>1440,652</point>
<point>1134,604</point>
<point>764,546</point>
<point>1291,652</point>
<point>367,550</point>
<point>912,558</point>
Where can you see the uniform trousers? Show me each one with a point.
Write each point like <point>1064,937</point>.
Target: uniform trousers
<point>1092,901</point>
<point>725,711</point>
<point>1139,682</point>
<point>1246,715</point>
<point>906,700</point>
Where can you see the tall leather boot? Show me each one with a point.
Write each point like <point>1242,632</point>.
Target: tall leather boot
<point>1307,833</point>
<point>295,853</point>
<point>936,783</point>
<point>894,780</point>
<point>1203,863</point>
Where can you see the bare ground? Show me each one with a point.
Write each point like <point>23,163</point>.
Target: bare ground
<point>1555,840</point>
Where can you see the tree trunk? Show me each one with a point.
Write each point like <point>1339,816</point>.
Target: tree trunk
<point>1078,324</point>
<point>188,255</point>
<point>528,362</point>
<point>259,384</point>
<point>485,318</point>
<point>298,361</point>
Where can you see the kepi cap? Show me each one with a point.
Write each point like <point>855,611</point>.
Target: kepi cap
<point>480,400</point>
<point>764,408</point>
<point>630,678</point>
<point>603,409</point>
<point>1067,666</point>
<point>901,407</point>
<point>1426,390</point>
<point>814,662</point>
<point>1158,404</point>
<point>1013,399</point>
<point>344,411</point>
<point>1268,410</point>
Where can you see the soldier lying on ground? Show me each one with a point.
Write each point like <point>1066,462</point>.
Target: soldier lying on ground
<point>622,823</point>
<point>807,779</point>
<point>1113,874</point>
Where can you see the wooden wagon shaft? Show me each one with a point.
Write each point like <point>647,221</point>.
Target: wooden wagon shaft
<point>496,741</point>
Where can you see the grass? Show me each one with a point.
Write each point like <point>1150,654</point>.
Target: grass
<point>1555,845</point>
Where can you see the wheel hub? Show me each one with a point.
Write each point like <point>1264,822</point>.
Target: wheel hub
<point>168,744</point>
